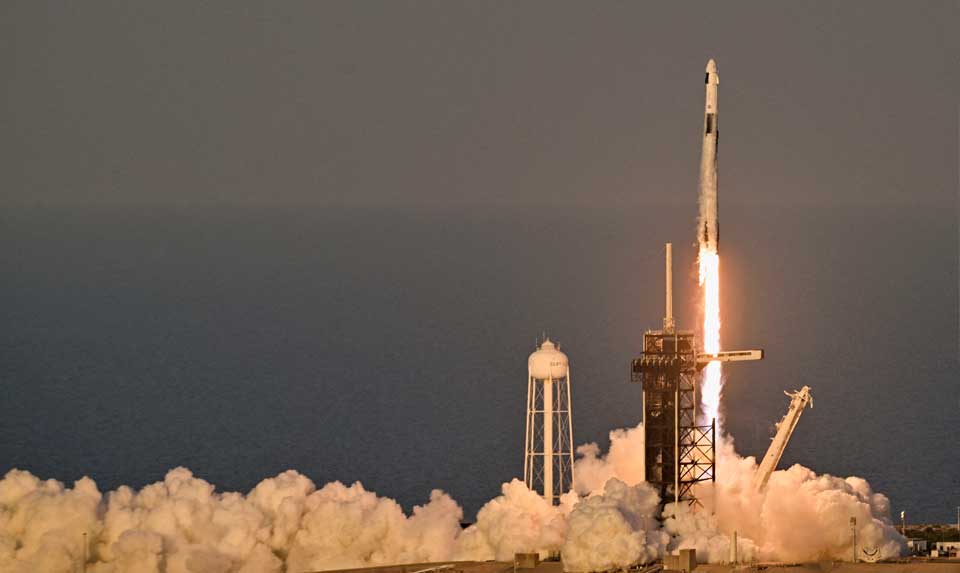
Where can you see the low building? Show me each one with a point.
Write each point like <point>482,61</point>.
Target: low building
<point>917,546</point>
<point>948,548</point>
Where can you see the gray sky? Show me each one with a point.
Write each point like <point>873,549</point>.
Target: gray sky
<point>478,103</point>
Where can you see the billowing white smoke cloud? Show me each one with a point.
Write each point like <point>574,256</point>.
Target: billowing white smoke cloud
<point>182,525</point>
<point>800,516</point>
<point>517,521</point>
<point>624,461</point>
<point>614,529</point>
<point>345,527</point>
<point>700,530</point>
<point>42,523</point>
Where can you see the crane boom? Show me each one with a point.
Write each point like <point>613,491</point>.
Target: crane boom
<point>798,402</point>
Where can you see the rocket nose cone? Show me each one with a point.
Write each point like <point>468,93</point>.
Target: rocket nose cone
<point>711,66</point>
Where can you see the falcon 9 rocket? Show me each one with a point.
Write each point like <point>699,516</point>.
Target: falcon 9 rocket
<point>709,227</point>
<point>708,234</point>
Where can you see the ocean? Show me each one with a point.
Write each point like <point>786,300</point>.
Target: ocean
<point>388,345</point>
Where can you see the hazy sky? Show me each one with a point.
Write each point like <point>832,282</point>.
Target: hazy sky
<point>478,103</point>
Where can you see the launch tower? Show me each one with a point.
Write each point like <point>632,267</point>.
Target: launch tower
<point>678,452</point>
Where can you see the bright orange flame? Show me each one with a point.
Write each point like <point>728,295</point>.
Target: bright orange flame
<point>712,375</point>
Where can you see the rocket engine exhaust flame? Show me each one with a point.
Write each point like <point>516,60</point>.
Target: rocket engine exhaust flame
<point>712,382</point>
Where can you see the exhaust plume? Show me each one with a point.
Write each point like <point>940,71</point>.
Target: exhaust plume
<point>183,525</point>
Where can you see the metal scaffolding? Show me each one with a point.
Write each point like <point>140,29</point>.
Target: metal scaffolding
<point>678,452</point>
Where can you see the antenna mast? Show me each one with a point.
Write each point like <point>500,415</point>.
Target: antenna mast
<point>668,323</point>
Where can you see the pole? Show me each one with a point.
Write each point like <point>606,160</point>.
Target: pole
<point>527,449</point>
<point>569,486</point>
<point>853,526</point>
<point>668,322</point>
<point>713,445</point>
<point>548,440</point>
<point>676,446</point>
<point>733,550</point>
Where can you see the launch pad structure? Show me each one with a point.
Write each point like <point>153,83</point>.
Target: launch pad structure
<point>798,401</point>
<point>678,453</point>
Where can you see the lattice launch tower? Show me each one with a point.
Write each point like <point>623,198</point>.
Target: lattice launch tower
<point>678,452</point>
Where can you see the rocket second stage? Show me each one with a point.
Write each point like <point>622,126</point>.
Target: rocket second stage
<point>709,228</point>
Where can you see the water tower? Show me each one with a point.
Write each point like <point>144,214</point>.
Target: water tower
<point>548,461</point>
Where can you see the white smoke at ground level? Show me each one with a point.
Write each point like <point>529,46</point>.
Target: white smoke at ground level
<point>183,525</point>
<point>614,529</point>
<point>42,523</point>
<point>800,516</point>
<point>517,521</point>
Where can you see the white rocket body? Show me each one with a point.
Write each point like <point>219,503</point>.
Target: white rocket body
<point>709,226</point>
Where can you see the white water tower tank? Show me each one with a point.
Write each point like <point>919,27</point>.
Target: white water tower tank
<point>548,362</point>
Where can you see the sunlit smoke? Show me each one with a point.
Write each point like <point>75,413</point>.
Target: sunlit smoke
<point>800,515</point>
<point>711,387</point>
<point>286,523</point>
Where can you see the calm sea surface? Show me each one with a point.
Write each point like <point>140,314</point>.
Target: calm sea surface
<point>389,345</point>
